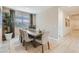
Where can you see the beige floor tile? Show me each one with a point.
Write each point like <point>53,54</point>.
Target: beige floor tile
<point>68,44</point>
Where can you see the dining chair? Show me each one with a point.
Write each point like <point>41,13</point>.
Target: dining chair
<point>44,40</point>
<point>26,39</point>
<point>21,36</point>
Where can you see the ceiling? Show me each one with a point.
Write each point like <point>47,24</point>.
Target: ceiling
<point>30,9</point>
<point>71,10</point>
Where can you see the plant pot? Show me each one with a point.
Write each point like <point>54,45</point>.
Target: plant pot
<point>8,36</point>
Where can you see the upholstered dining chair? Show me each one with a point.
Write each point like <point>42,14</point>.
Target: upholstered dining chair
<point>44,40</point>
<point>26,39</point>
<point>21,36</point>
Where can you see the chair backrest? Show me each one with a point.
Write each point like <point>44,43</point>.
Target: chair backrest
<point>20,31</point>
<point>45,37</point>
<point>25,36</point>
<point>22,34</point>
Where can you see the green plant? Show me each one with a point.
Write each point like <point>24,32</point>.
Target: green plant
<point>8,19</point>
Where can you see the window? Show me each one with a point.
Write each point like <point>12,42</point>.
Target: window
<point>26,20</point>
<point>22,19</point>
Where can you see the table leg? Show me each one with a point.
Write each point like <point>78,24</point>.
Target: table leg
<point>48,45</point>
<point>26,45</point>
<point>42,49</point>
<point>23,43</point>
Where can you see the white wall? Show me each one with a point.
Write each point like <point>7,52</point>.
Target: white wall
<point>48,20</point>
<point>60,23</point>
<point>34,19</point>
<point>62,29</point>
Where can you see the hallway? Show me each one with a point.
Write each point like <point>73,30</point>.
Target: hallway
<point>69,43</point>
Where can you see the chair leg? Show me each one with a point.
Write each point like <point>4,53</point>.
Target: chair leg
<point>42,49</point>
<point>23,43</point>
<point>21,40</point>
<point>25,46</point>
<point>48,45</point>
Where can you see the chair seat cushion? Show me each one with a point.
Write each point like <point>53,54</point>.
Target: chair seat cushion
<point>39,41</point>
<point>42,41</point>
<point>28,40</point>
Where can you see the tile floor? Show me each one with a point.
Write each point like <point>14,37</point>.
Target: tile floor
<point>69,44</point>
<point>16,47</point>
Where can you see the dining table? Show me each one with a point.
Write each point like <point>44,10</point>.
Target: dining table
<point>35,35</point>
